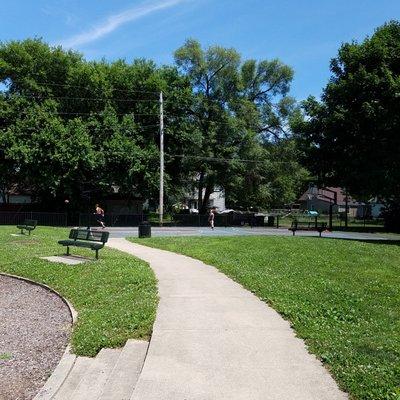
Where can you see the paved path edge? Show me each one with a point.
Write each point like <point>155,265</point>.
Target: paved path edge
<point>333,391</point>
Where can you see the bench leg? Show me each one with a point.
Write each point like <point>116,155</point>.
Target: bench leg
<point>97,254</point>
<point>67,250</point>
<point>29,232</point>
<point>294,231</point>
<point>22,231</point>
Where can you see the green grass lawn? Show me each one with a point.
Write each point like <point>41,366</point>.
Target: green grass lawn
<point>115,297</point>
<point>341,296</point>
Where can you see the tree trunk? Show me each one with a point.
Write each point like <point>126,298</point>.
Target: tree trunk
<point>200,191</point>
<point>209,190</point>
<point>3,195</point>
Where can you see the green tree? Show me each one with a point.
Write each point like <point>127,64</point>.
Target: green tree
<point>45,154</point>
<point>237,106</point>
<point>67,123</point>
<point>353,134</point>
<point>351,138</point>
<point>51,93</point>
<point>271,177</point>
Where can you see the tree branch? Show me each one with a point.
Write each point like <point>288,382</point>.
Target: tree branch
<point>217,70</point>
<point>269,129</point>
<point>264,91</point>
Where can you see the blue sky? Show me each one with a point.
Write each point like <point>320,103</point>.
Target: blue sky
<point>305,34</point>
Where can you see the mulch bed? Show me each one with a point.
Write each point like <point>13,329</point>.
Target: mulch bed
<point>35,325</point>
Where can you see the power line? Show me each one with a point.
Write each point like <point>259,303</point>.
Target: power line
<point>215,159</point>
<point>86,98</point>
<point>82,87</point>
<point>93,113</point>
<point>215,124</point>
<point>212,123</point>
<point>95,127</point>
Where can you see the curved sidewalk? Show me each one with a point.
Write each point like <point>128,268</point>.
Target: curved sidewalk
<point>214,340</point>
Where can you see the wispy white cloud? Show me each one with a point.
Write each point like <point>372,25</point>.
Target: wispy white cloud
<point>116,20</point>
<point>54,11</point>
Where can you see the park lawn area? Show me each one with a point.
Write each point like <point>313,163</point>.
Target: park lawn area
<point>115,296</point>
<point>341,296</point>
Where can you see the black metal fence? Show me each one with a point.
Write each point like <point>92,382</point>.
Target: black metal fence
<point>338,223</point>
<point>69,219</point>
<point>43,218</point>
<point>231,219</point>
<point>112,220</point>
<point>189,220</point>
<point>126,220</point>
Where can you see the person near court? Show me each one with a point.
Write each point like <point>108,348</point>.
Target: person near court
<point>211,218</point>
<point>100,216</point>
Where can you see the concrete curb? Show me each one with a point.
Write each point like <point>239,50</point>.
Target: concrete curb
<point>58,376</point>
<point>68,359</point>
<point>72,311</point>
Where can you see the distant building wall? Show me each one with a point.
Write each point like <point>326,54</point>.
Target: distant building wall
<point>217,199</point>
<point>315,204</point>
<point>323,207</point>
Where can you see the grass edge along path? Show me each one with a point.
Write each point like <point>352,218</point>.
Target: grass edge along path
<point>342,297</point>
<point>115,296</point>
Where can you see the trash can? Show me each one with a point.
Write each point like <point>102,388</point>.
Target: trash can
<point>144,229</point>
<point>271,220</point>
<point>260,220</point>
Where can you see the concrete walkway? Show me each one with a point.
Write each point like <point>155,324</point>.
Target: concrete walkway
<point>214,340</point>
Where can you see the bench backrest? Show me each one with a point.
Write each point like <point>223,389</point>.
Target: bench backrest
<point>89,235</point>
<point>30,222</point>
<point>309,224</point>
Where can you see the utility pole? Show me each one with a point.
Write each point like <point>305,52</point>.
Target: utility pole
<point>161,206</point>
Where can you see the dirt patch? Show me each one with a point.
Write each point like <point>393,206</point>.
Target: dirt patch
<point>35,325</point>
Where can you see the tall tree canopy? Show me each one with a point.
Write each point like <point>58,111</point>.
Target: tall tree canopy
<point>69,125</point>
<point>237,108</point>
<point>352,137</point>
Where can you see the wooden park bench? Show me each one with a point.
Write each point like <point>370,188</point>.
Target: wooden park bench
<point>308,226</point>
<point>28,225</point>
<point>94,240</point>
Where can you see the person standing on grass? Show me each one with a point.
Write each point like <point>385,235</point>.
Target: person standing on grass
<point>211,218</point>
<point>100,215</point>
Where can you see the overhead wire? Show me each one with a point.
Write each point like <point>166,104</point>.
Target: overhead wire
<point>218,159</point>
<point>87,87</point>
<point>94,113</point>
<point>88,98</point>
<point>99,128</point>
<point>219,123</point>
